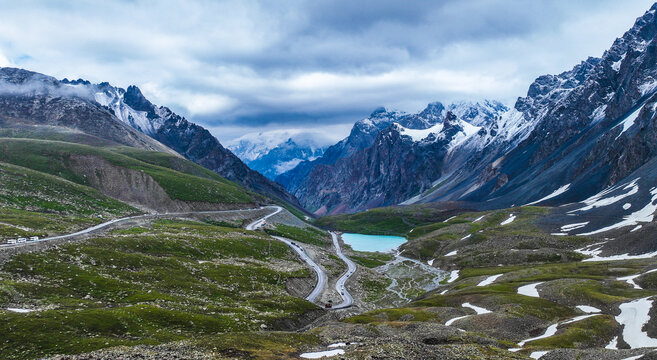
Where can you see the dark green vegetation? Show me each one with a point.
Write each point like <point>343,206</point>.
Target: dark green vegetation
<point>524,254</point>
<point>308,235</point>
<point>370,259</point>
<point>375,289</point>
<point>564,286</point>
<point>172,280</point>
<point>257,345</point>
<point>385,221</point>
<point>482,240</point>
<point>582,334</point>
<point>397,314</point>
<point>189,182</point>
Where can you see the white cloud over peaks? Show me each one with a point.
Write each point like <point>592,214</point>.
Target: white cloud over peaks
<point>4,62</point>
<point>243,65</point>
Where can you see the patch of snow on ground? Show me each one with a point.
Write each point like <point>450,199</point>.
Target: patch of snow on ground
<point>630,279</point>
<point>596,256</point>
<point>453,276</point>
<point>627,206</point>
<point>430,262</point>
<point>613,344</point>
<point>283,166</point>
<point>449,219</point>
<point>646,214</point>
<point>452,253</point>
<point>489,280</point>
<point>634,315</point>
<point>628,122</point>
<point>451,321</point>
<point>578,318</point>
<point>648,87</point>
<point>537,354</point>
<point>509,220</point>
<point>598,113</point>
<point>616,64</point>
<point>17,310</point>
<point>555,193</point>
<point>571,227</point>
<point>478,219</point>
<point>636,357</point>
<point>420,134</point>
<point>465,237</point>
<point>477,309</point>
<point>529,290</point>
<point>551,330</point>
<point>636,228</point>
<point>588,309</point>
<point>322,354</point>
<point>340,344</point>
<point>597,200</point>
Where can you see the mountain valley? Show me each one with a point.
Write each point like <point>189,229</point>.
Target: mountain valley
<point>526,232</point>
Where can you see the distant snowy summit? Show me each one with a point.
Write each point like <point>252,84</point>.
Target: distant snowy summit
<point>274,152</point>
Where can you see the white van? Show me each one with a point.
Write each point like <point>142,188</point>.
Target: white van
<point>11,241</point>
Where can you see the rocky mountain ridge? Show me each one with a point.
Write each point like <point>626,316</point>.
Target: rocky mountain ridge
<point>186,138</point>
<point>585,129</point>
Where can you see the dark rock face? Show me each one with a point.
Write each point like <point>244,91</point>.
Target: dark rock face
<point>380,163</point>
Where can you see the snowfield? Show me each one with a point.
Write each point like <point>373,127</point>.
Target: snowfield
<point>489,280</point>
<point>529,290</point>
<point>453,276</point>
<point>509,220</point>
<point>634,315</point>
<point>556,193</point>
<point>646,214</point>
<point>322,354</point>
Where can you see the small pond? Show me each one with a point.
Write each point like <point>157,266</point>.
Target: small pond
<point>382,243</point>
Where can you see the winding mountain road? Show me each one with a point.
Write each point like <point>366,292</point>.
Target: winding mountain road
<point>321,275</point>
<point>322,279</point>
<point>258,223</point>
<point>136,217</point>
<point>347,299</point>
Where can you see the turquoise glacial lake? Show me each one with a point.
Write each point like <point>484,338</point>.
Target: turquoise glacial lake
<point>382,243</point>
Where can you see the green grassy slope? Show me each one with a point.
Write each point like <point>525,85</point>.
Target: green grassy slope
<point>305,235</point>
<point>170,281</point>
<point>189,183</point>
<point>36,204</point>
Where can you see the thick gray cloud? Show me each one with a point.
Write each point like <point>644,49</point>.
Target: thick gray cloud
<point>238,65</point>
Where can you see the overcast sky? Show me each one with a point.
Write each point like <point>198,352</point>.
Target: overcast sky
<point>243,66</point>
